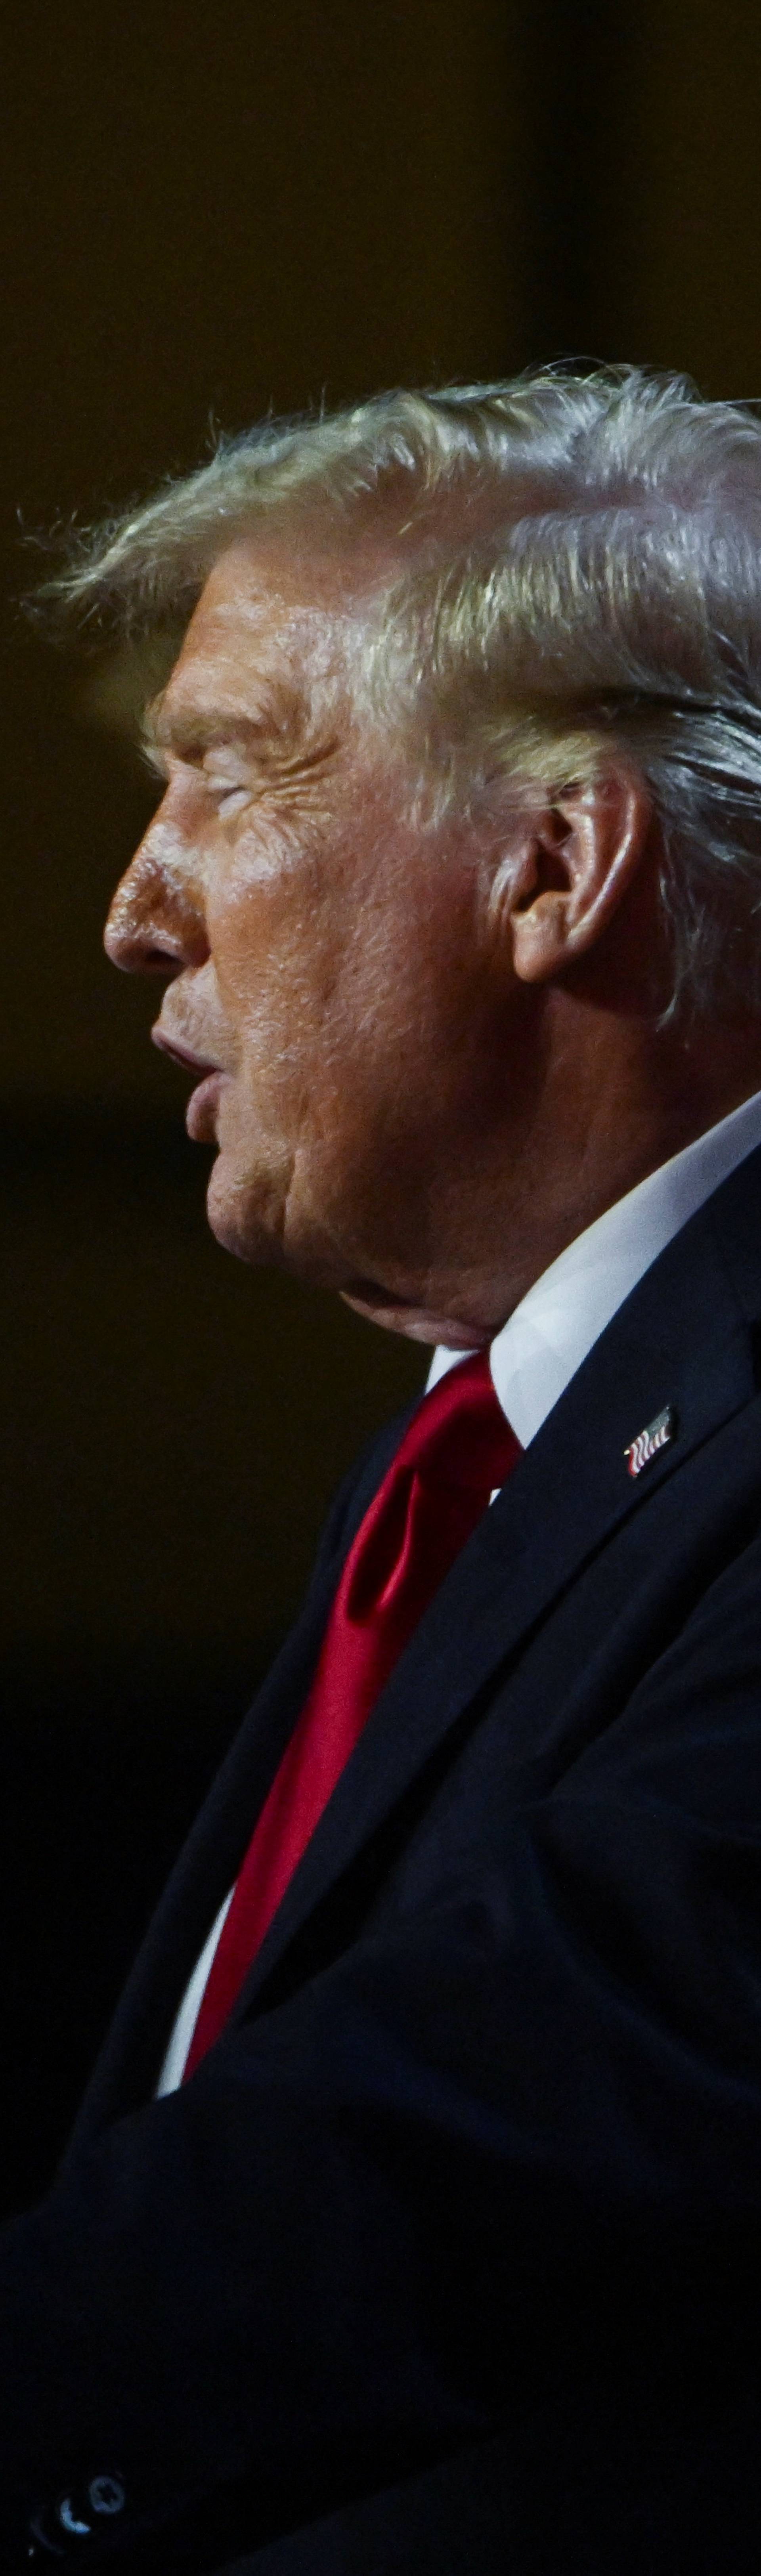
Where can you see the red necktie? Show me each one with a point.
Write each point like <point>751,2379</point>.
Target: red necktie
<point>455,1450</point>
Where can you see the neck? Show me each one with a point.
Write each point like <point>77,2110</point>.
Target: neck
<point>607,1116</point>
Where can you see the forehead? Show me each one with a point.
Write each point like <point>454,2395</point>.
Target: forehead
<point>276,617</point>
<point>248,635</point>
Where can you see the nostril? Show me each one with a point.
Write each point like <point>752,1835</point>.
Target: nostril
<point>158,961</point>
<point>140,949</point>
<point>138,957</point>
<point>152,927</point>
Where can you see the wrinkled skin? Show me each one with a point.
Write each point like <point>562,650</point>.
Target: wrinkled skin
<point>415,1100</point>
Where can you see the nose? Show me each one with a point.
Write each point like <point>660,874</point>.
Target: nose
<point>156,923</point>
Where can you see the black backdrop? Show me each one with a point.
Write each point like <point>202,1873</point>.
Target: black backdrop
<point>205,215</point>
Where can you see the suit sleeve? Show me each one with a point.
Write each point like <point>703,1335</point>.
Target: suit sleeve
<point>332,2256</point>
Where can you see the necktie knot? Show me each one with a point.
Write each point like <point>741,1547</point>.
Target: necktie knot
<point>454,1452</point>
<point>459,1434</point>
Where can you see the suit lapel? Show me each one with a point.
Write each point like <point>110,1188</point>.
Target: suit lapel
<point>128,2064</point>
<point>681,1340</point>
<point>127,2067</point>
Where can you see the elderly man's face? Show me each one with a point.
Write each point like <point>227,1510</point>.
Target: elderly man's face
<point>328,979</point>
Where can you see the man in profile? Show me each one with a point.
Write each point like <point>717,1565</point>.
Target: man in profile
<point>411,2220</point>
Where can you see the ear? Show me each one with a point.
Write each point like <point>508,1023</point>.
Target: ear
<point>574,862</point>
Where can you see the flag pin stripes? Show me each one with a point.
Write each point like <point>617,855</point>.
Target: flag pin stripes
<point>656,1436</point>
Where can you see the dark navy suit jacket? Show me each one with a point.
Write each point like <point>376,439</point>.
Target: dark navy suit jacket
<point>447,2259</point>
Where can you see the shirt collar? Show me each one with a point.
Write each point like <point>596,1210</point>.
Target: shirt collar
<point>543,1343</point>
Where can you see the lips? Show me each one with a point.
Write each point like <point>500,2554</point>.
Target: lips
<point>200,1064</point>
<point>200,1115</point>
<point>201,1112</point>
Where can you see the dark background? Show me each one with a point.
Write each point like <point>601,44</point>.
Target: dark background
<point>208,212</point>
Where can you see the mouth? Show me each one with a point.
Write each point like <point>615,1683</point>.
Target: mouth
<point>200,1115</point>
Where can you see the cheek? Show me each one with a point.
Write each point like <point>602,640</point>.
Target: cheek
<point>276,967</point>
<point>285,907</point>
<point>405,1001</point>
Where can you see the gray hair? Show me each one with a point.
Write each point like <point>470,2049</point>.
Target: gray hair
<point>587,577</point>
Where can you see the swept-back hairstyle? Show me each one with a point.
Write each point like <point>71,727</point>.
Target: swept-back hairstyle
<point>588,576</point>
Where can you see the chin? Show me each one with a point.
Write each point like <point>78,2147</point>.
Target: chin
<point>237,1225</point>
<point>415,1324</point>
<point>248,1219</point>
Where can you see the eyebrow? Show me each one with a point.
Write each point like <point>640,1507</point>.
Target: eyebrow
<point>196,730</point>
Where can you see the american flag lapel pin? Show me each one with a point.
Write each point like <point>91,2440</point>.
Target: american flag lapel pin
<point>655,1436</point>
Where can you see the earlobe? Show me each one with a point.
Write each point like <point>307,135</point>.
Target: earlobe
<point>540,941</point>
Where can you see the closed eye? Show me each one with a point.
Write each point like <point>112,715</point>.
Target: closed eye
<point>228,799</point>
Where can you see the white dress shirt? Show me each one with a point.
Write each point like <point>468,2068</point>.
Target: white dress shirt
<point>543,1343</point>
